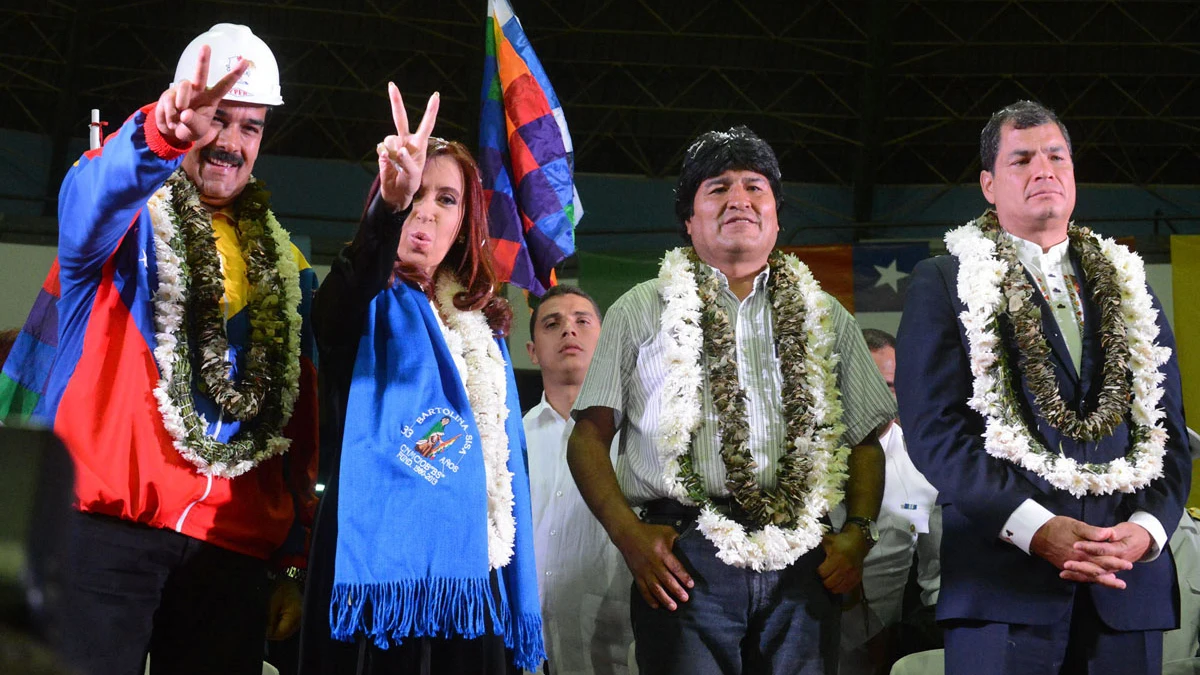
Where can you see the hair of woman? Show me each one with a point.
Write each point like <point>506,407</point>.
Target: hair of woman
<point>470,256</point>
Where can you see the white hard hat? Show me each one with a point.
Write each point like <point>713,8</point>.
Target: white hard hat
<point>230,42</point>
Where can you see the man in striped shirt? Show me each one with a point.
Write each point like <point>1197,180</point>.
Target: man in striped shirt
<point>701,606</point>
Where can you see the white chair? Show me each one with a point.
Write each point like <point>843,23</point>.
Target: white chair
<point>932,662</point>
<point>1182,667</point>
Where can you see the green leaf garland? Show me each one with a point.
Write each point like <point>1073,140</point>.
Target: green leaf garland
<point>191,328</point>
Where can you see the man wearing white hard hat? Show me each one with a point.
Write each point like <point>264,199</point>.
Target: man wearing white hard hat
<point>182,383</point>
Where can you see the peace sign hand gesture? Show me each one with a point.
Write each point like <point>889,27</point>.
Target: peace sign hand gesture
<point>185,111</point>
<point>402,155</point>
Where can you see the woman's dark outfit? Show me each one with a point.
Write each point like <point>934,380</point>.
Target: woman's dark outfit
<point>359,273</point>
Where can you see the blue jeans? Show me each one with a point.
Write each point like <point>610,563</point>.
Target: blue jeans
<point>737,621</point>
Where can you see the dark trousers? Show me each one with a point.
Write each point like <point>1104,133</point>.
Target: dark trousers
<point>130,590</point>
<point>1084,645</point>
<point>737,621</point>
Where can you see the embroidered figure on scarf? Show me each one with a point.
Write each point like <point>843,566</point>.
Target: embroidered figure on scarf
<point>431,443</point>
<point>423,456</point>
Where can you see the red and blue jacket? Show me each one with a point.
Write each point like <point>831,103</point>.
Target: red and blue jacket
<point>84,364</point>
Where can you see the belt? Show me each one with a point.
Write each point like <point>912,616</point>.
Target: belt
<point>670,509</point>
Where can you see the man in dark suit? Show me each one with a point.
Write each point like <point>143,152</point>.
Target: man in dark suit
<point>1054,556</point>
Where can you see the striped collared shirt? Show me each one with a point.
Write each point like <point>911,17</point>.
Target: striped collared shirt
<point>627,374</point>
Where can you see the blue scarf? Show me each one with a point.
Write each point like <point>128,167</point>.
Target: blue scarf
<point>412,547</point>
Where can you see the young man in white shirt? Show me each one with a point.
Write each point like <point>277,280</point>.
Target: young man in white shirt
<point>583,582</point>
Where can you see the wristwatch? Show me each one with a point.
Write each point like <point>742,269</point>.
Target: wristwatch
<point>294,573</point>
<point>869,529</point>
<point>298,575</point>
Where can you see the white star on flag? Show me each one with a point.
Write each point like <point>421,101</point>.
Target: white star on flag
<point>889,275</point>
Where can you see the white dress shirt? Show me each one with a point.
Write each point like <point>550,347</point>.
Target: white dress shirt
<point>583,581</point>
<point>908,510</point>
<point>1055,277</point>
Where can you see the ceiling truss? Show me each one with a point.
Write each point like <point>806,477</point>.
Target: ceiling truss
<point>848,93</point>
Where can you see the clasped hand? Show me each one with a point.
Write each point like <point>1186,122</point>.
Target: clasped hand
<point>1089,554</point>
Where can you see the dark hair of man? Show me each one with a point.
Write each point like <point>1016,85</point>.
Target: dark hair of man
<point>1021,115</point>
<point>555,292</point>
<point>878,339</point>
<point>716,152</point>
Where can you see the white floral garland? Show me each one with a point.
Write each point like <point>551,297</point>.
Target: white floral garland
<point>1007,436</point>
<point>487,391</point>
<point>772,547</point>
<point>169,313</point>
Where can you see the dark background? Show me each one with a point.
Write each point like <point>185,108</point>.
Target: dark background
<point>848,92</point>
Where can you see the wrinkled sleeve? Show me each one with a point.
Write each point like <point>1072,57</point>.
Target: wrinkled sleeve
<point>867,403</point>
<point>104,190</point>
<point>359,273</point>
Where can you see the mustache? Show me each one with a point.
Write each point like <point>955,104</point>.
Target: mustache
<point>221,156</point>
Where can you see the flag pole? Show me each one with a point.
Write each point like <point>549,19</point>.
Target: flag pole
<point>94,130</point>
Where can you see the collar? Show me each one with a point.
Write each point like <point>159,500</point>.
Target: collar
<point>543,409</point>
<point>224,216</point>
<point>893,433</point>
<point>760,281</point>
<point>1031,254</point>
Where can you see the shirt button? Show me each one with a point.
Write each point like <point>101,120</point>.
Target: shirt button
<point>553,533</point>
<point>558,493</point>
<point>549,573</point>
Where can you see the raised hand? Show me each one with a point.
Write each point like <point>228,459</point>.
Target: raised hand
<point>402,155</point>
<point>185,111</point>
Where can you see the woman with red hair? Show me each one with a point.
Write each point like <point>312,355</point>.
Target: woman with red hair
<point>422,554</point>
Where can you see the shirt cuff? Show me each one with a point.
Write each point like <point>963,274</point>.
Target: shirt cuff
<point>1024,523</point>
<point>160,145</point>
<point>1158,535</point>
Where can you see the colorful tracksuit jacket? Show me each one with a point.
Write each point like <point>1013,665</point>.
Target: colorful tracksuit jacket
<point>84,364</point>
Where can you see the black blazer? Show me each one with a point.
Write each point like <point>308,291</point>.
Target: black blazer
<point>983,577</point>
